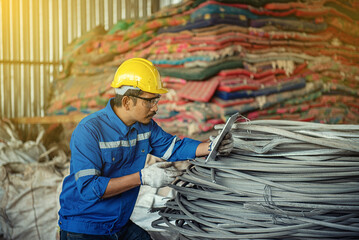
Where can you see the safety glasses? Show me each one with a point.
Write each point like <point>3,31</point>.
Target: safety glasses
<point>149,102</point>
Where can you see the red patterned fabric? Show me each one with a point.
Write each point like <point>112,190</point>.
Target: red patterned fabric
<point>227,103</point>
<point>201,91</point>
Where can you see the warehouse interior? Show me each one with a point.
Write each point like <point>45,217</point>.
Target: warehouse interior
<point>288,68</point>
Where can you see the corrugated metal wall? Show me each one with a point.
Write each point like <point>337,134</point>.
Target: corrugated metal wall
<point>34,34</point>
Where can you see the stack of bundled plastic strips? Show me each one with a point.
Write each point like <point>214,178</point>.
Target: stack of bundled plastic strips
<point>283,180</point>
<point>264,59</point>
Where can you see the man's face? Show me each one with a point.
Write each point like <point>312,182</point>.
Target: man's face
<point>146,107</point>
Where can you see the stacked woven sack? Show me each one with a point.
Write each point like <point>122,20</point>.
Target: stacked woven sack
<point>30,175</point>
<point>264,59</point>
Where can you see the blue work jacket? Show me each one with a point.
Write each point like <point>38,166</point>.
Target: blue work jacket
<point>103,147</point>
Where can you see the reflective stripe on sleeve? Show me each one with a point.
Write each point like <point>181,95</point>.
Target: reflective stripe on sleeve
<point>87,172</point>
<point>169,151</point>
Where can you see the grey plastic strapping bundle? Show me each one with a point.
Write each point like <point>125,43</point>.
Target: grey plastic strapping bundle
<point>284,179</point>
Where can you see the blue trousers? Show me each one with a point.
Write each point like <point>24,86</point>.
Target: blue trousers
<point>130,231</point>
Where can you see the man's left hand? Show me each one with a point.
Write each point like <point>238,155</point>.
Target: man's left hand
<point>225,147</point>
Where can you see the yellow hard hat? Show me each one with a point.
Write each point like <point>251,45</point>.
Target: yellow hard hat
<point>139,73</point>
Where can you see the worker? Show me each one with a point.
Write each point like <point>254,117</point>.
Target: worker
<point>108,155</point>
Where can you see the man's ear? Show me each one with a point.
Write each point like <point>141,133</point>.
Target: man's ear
<point>126,102</point>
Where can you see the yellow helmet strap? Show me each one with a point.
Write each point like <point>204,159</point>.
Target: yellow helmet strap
<point>122,90</point>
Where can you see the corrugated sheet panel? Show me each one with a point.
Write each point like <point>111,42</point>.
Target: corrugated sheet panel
<point>33,36</point>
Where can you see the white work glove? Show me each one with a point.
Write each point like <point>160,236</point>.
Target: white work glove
<point>159,174</point>
<point>225,147</point>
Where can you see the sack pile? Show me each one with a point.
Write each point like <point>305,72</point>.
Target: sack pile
<point>264,59</point>
<point>29,179</point>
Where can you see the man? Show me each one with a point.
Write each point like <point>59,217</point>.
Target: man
<point>108,154</point>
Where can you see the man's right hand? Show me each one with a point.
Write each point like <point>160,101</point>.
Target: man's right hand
<point>159,174</point>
